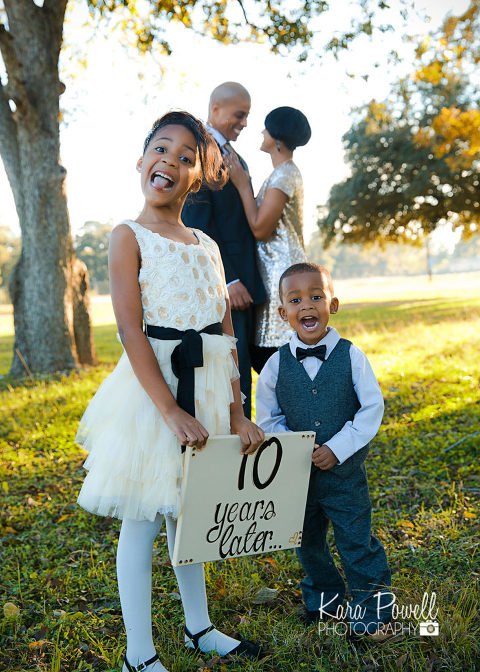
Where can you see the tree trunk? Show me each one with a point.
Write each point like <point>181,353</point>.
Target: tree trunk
<point>428,258</point>
<point>82,332</point>
<point>41,287</point>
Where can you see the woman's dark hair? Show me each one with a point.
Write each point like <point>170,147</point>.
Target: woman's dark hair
<point>214,173</point>
<point>288,125</point>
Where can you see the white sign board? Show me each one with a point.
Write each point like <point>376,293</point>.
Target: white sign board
<point>234,505</point>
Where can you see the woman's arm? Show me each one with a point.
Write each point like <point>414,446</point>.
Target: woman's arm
<point>263,220</point>
<point>124,264</point>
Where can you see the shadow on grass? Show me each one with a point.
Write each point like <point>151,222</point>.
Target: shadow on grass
<point>107,346</point>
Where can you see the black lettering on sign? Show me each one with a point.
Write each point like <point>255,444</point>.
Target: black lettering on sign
<point>230,541</point>
<point>241,473</point>
<point>256,480</point>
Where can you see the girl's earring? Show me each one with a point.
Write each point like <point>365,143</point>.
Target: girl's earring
<point>277,145</point>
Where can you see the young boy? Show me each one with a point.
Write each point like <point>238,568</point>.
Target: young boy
<point>321,382</point>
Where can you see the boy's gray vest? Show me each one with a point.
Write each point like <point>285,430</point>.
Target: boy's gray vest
<point>324,404</point>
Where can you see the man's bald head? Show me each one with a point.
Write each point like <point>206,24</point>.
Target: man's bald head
<point>223,92</point>
<point>229,108</point>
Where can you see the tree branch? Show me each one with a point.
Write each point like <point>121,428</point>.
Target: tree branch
<point>16,84</point>
<point>244,11</point>
<point>9,147</point>
<point>55,15</point>
<point>6,48</point>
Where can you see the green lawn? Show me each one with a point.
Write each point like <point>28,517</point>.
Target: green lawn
<point>58,561</point>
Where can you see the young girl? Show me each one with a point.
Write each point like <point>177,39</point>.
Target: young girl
<point>176,381</point>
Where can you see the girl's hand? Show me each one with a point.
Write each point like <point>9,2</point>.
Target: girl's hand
<point>187,428</point>
<point>250,435</point>
<point>323,457</point>
<point>237,174</point>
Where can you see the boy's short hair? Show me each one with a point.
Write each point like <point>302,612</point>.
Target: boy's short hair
<point>305,267</point>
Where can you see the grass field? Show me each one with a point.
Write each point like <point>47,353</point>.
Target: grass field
<point>58,572</point>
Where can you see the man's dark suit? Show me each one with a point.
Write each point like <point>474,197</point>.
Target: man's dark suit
<point>220,215</point>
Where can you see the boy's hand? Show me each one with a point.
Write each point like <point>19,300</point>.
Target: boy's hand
<point>323,458</point>
<point>250,435</point>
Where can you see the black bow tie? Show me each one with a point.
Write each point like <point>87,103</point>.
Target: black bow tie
<point>318,351</point>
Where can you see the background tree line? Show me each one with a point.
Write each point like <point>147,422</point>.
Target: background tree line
<point>345,261</point>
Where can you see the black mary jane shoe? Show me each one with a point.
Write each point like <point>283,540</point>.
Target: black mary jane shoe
<point>141,666</point>
<point>244,648</point>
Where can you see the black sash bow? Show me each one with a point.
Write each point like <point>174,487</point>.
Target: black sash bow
<point>186,357</point>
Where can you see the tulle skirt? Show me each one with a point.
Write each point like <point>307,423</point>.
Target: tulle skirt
<point>135,461</point>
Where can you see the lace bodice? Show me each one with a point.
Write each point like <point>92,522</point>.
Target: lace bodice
<point>182,286</point>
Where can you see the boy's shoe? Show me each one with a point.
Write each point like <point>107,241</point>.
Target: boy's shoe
<point>311,617</point>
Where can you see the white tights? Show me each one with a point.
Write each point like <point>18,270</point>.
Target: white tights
<point>134,574</point>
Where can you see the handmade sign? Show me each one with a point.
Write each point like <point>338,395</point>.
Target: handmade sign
<point>234,505</point>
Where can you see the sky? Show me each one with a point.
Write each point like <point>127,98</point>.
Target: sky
<point>111,102</point>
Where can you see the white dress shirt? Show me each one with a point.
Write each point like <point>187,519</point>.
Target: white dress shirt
<point>355,433</point>
<point>221,140</point>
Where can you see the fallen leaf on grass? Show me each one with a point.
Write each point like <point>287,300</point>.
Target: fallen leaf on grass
<point>60,614</point>
<point>38,645</point>
<point>405,523</point>
<point>9,530</point>
<point>10,610</point>
<point>265,595</point>
<point>269,561</point>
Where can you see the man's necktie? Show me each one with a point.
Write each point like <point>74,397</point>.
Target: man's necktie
<point>228,149</point>
<point>318,351</point>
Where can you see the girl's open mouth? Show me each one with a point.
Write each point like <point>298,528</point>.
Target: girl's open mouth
<point>161,181</point>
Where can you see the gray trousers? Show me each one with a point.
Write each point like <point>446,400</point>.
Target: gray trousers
<point>340,496</point>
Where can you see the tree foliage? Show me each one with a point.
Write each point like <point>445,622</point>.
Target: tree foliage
<point>91,246</point>
<point>283,24</point>
<point>415,158</point>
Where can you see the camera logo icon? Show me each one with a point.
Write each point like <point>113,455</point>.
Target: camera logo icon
<point>428,629</point>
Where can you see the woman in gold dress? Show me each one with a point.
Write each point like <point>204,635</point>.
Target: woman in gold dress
<point>276,220</point>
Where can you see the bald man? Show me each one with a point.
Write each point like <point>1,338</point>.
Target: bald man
<point>220,214</point>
